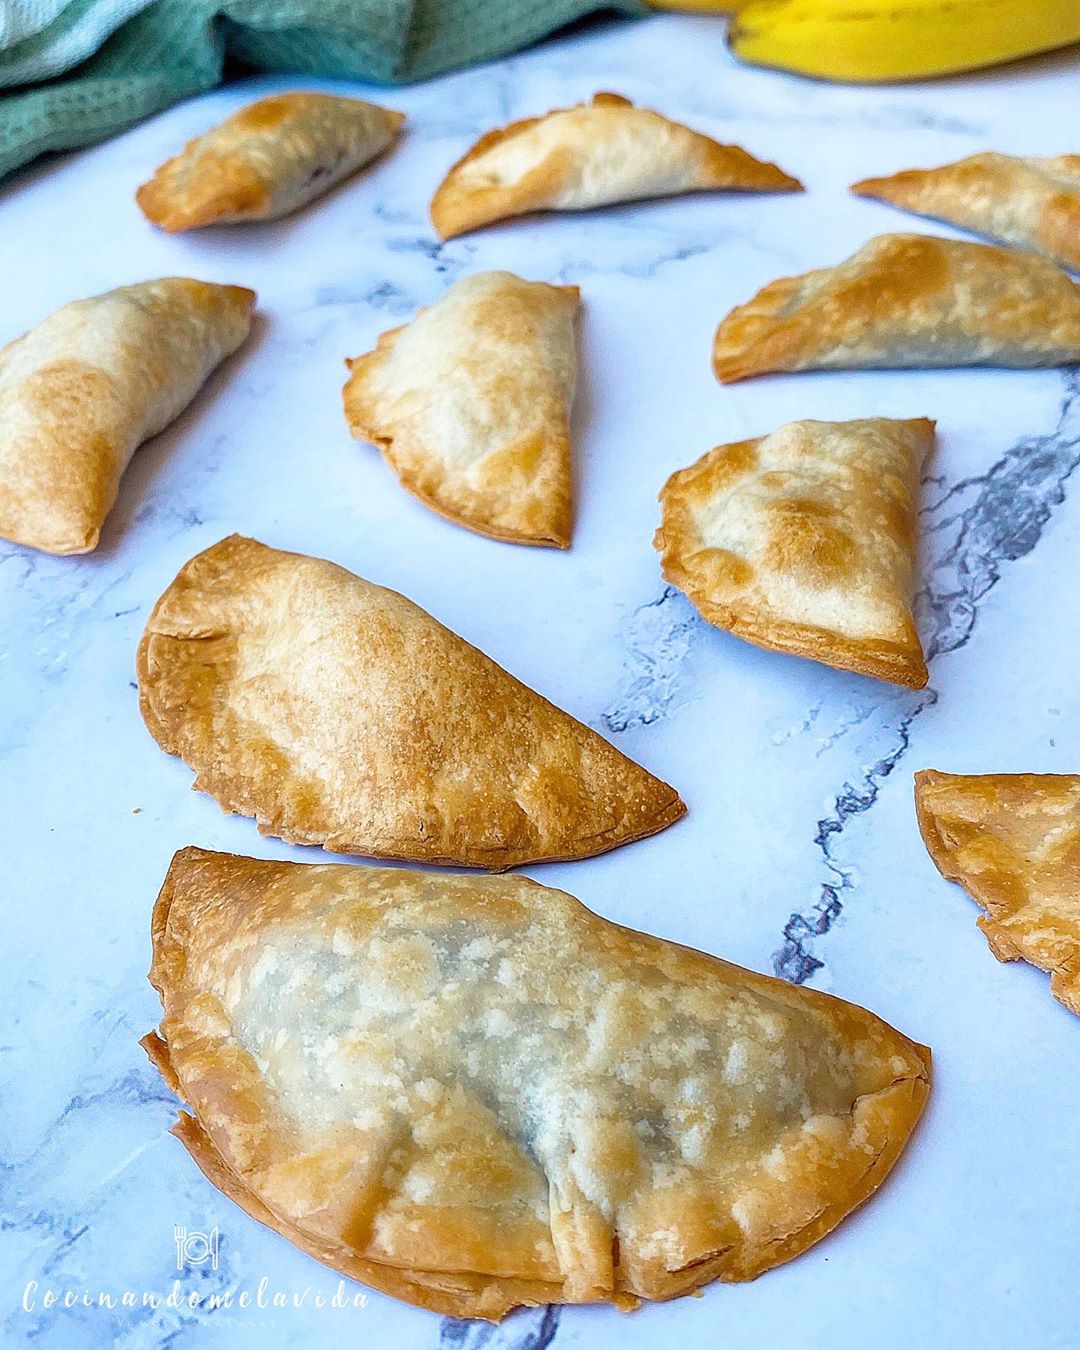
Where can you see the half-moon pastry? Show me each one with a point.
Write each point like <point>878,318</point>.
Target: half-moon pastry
<point>473,1094</point>
<point>339,713</point>
<point>1012,840</point>
<point>593,154</point>
<point>804,541</point>
<point>907,300</point>
<point>82,391</point>
<point>267,160</point>
<point>470,405</point>
<point>1032,203</point>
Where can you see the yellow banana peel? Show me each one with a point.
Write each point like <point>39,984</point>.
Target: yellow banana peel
<point>883,40</point>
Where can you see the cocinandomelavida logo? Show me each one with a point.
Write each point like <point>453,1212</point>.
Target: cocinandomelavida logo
<point>194,1248</point>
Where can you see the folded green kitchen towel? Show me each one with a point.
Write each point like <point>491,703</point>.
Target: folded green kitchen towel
<point>108,63</point>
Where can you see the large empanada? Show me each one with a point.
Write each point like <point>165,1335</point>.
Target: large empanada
<point>1012,840</point>
<point>267,160</point>
<point>593,154</point>
<point>804,541</point>
<point>473,1093</point>
<point>907,300</point>
<point>1034,203</point>
<point>82,391</point>
<point>470,404</point>
<point>338,713</point>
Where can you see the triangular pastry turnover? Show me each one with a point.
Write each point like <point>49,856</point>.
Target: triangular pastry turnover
<point>267,160</point>
<point>593,154</point>
<point>470,405</point>
<point>472,1093</point>
<point>907,300</point>
<point>82,391</point>
<point>339,713</point>
<point>1012,840</point>
<point>1032,203</point>
<point>804,541</point>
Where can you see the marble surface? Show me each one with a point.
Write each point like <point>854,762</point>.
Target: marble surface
<point>800,852</point>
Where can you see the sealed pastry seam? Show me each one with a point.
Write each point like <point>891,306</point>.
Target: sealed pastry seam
<point>1013,842</point>
<point>570,1112</point>
<point>470,405</point>
<point>804,541</point>
<point>906,301</point>
<point>338,713</point>
<point>1028,202</point>
<point>267,160</point>
<point>590,155</point>
<point>85,388</point>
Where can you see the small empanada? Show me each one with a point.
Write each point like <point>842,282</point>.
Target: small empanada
<point>339,713</point>
<point>1033,203</point>
<point>804,541</point>
<point>267,160</point>
<point>907,300</point>
<point>1012,840</point>
<point>470,405</point>
<point>82,391</point>
<point>593,154</point>
<point>472,1093</point>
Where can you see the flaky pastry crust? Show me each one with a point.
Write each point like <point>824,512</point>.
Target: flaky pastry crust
<point>1012,840</point>
<point>907,300</point>
<point>82,391</point>
<point>593,154</point>
<point>473,1093</point>
<point>804,541</point>
<point>1029,202</point>
<point>267,160</point>
<point>470,405</point>
<point>339,713</point>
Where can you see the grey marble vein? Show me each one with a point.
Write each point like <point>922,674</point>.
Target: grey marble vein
<point>74,597</point>
<point>657,237</point>
<point>971,530</point>
<point>384,298</point>
<point>450,257</point>
<point>67,1228</point>
<point>794,960</point>
<point>658,636</point>
<point>843,111</point>
<point>529,1329</point>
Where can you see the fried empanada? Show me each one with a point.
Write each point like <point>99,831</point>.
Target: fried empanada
<point>804,541</point>
<point>1032,203</point>
<point>82,391</point>
<point>339,713</point>
<point>907,300</point>
<point>267,160</point>
<point>593,154</point>
<point>470,405</point>
<point>1012,840</point>
<point>472,1093</point>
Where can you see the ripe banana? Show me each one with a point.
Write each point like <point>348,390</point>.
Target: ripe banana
<point>872,40</point>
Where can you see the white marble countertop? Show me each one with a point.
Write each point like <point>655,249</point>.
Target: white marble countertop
<point>800,852</point>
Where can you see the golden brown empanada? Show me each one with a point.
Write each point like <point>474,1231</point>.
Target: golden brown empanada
<point>267,160</point>
<point>593,154</point>
<point>338,713</point>
<point>1033,203</point>
<point>1012,840</point>
<point>82,391</point>
<point>473,1093</point>
<point>470,405</point>
<point>907,300</point>
<point>804,541</point>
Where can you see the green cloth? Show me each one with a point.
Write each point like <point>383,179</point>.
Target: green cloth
<point>127,59</point>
